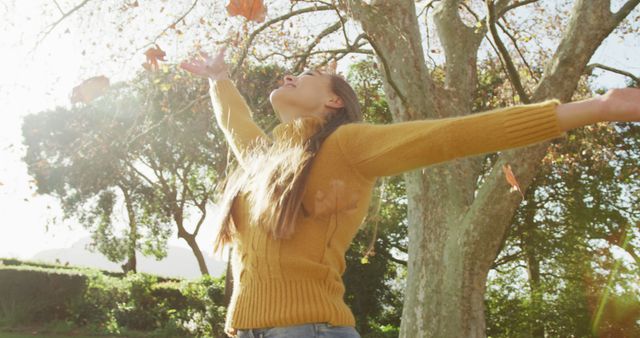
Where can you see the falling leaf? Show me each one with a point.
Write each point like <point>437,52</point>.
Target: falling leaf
<point>253,10</point>
<point>153,55</point>
<point>511,178</point>
<point>90,89</point>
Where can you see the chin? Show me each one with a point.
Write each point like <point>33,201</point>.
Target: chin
<point>277,99</point>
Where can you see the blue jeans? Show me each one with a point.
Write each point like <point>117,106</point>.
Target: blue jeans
<point>312,330</point>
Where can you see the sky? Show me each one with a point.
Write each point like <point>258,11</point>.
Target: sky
<point>30,82</point>
<point>33,81</point>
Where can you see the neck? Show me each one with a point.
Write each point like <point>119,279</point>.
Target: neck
<point>299,129</point>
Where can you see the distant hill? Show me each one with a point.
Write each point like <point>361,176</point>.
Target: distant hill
<point>180,262</point>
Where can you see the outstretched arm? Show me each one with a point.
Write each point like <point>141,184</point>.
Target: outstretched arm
<point>391,149</point>
<point>234,117</point>
<point>232,113</point>
<point>617,105</point>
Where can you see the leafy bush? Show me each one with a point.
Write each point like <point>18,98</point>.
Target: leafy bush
<point>37,295</point>
<point>61,297</point>
<point>140,302</point>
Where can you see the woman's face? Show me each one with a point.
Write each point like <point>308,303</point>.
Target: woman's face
<point>308,94</point>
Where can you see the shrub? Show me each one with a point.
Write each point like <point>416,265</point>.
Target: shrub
<point>98,303</point>
<point>37,295</point>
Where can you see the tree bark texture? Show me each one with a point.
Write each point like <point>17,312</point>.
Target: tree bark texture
<point>456,228</point>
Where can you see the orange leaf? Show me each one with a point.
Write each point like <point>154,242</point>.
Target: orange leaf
<point>153,55</point>
<point>90,89</point>
<point>253,10</point>
<point>511,178</point>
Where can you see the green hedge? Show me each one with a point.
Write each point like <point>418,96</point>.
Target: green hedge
<point>107,304</point>
<point>37,295</point>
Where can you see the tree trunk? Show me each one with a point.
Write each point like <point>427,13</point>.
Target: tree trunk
<point>228,281</point>
<point>177,212</point>
<point>191,241</point>
<point>446,283</point>
<point>131,264</point>
<point>455,227</point>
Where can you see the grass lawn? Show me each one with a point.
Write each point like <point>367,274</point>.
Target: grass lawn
<point>4,334</point>
<point>22,335</point>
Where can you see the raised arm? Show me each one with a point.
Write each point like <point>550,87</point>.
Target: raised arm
<point>233,115</point>
<point>387,150</point>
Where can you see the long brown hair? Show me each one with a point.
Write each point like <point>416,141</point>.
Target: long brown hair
<point>275,175</point>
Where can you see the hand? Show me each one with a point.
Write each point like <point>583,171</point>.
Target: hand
<point>621,105</point>
<point>617,105</point>
<point>209,67</point>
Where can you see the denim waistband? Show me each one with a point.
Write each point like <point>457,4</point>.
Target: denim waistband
<point>309,330</point>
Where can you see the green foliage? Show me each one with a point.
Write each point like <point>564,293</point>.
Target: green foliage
<point>570,257</point>
<point>66,299</point>
<point>255,85</point>
<point>36,295</point>
<point>147,145</point>
<point>138,302</point>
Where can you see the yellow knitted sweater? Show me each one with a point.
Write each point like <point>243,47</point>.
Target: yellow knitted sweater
<point>299,280</point>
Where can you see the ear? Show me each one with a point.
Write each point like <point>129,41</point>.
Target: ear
<point>335,102</point>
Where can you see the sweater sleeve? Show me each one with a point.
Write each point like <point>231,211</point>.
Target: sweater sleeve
<point>391,149</point>
<point>234,117</point>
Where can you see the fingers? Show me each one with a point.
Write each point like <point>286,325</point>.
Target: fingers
<point>201,62</point>
<point>189,67</point>
<point>206,55</point>
<point>203,54</point>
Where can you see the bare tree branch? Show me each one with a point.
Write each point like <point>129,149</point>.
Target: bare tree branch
<point>512,72</point>
<point>354,49</point>
<point>341,53</point>
<point>344,29</point>
<point>427,7</point>
<point>133,167</point>
<point>503,66</point>
<point>502,11</point>
<point>203,215</point>
<point>59,8</point>
<point>55,24</point>
<point>515,45</point>
<point>506,259</point>
<point>474,14</point>
<point>589,69</point>
<point>303,60</point>
<point>252,36</point>
<point>193,5</point>
<point>393,259</point>
<point>167,117</point>
<point>626,9</point>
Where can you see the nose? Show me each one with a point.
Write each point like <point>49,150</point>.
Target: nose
<point>289,79</point>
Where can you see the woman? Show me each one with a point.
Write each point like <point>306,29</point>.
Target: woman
<point>294,203</point>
